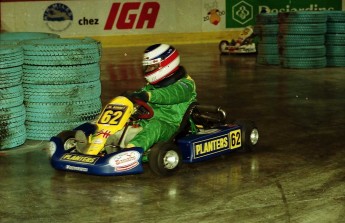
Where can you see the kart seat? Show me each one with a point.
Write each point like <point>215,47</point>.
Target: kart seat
<point>208,116</point>
<point>204,115</point>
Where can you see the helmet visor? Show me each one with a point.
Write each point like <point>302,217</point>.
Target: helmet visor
<point>150,67</point>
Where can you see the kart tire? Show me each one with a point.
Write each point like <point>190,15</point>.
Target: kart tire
<point>303,29</point>
<point>304,63</point>
<point>66,135</point>
<point>335,39</point>
<point>302,17</point>
<point>158,158</point>
<point>267,18</point>
<point>336,61</point>
<point>22,36</point>
<point>248,129</point>
<point>270,29</point>
<point>222,45</point>
<point>335,16</point>
<point>11,56</point>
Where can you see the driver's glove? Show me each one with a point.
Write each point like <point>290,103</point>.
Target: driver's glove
<point>142,95</point>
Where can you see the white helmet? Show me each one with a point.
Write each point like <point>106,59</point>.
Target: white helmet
<point>159,62</point>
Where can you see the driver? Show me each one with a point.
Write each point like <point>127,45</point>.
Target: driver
<point>169,91</point>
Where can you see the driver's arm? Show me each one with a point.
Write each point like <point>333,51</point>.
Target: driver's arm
<point>181,91</point>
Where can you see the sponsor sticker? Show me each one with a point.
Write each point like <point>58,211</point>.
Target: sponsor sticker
<point>79,158</point>
<point>58,17</point>
<point>125,160</point>
<point>76,168</point>
<point>211,146</point>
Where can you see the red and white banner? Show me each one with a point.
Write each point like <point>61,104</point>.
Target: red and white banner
<point>108,17</point>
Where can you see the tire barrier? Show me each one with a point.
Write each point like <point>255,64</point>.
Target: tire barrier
<point>12,110</point>
<point>11,56</point>
<point>302,39</point>
<point>302,17</point>
<point>305,39</point>
<point>45,130</point>
<point>266,29</point>
<point>335,39</point>
<point>75,74</point>
<point>18,37</point>
<point>61,52</point>
<point>61,82</point>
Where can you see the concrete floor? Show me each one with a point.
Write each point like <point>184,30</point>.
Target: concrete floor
<point>296,174</point>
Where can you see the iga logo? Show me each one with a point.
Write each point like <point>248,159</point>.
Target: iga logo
<point>58,17</point>
<point>242,12</point>
<point>132,14</point>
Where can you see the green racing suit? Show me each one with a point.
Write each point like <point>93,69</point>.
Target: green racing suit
<point>169,104</point>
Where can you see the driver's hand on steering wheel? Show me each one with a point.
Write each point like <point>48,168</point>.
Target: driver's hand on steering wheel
<point>142,95</point>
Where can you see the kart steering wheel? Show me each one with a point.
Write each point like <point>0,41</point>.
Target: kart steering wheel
<point>148,111</point>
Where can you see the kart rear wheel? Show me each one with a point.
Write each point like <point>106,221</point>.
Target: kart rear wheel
<point>68,139</point>
<point>222,46</point>
<point>250,135</point>
<point>165,158</point>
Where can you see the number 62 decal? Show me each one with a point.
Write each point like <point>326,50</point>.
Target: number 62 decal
<point>235,139</point>
<point>110,117</point>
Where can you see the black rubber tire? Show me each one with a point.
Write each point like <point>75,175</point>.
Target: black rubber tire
<point>65,135</point>
<point>221,44</point>
<point>247,127</point>
<point>157,156</point>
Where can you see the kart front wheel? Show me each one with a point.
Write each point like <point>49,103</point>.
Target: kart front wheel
<point>250,134</point>
<point>68,139</point>
<point>165,158</point>
<point>222,46</point>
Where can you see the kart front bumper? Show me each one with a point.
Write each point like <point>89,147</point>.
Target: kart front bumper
<point>125,162</point>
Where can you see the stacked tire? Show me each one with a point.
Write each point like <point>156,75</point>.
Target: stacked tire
<point>61,81</point>
<point>12,110</point>
<point>302,39</point>
<point>18,37</point>
<point>266,29</point>
<point>335,39</point>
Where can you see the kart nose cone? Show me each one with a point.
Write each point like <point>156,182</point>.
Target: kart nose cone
<point>254,136</point>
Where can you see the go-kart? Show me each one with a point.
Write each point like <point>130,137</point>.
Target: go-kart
<point>203,134</point>
<point>244,43</point>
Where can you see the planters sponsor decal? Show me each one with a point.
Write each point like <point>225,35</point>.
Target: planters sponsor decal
<point>79,158</point>
<point>210,146</point>
<point>229,141</point>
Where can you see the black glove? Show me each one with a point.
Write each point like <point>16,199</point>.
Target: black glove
<point>143,95</point>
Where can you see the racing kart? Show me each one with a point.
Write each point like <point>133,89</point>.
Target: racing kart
<point>244,43</point>
<point>203,134</point>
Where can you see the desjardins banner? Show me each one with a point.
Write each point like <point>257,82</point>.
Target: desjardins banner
<point>241,13</point>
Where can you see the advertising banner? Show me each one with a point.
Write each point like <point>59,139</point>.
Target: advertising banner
<point>242,13</point>
<point>107,17</point>
<point>127,17</point>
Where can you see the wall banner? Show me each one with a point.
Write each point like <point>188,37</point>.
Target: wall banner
<point>242,13</point>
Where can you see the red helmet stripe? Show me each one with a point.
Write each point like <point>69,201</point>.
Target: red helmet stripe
<point>169,59</point>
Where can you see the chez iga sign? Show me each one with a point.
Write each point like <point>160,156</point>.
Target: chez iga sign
<point>132,15</point>
<point>243,12</point>
<point>121,16</point>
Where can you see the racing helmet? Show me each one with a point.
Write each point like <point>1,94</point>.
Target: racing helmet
<point>160,61</point>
